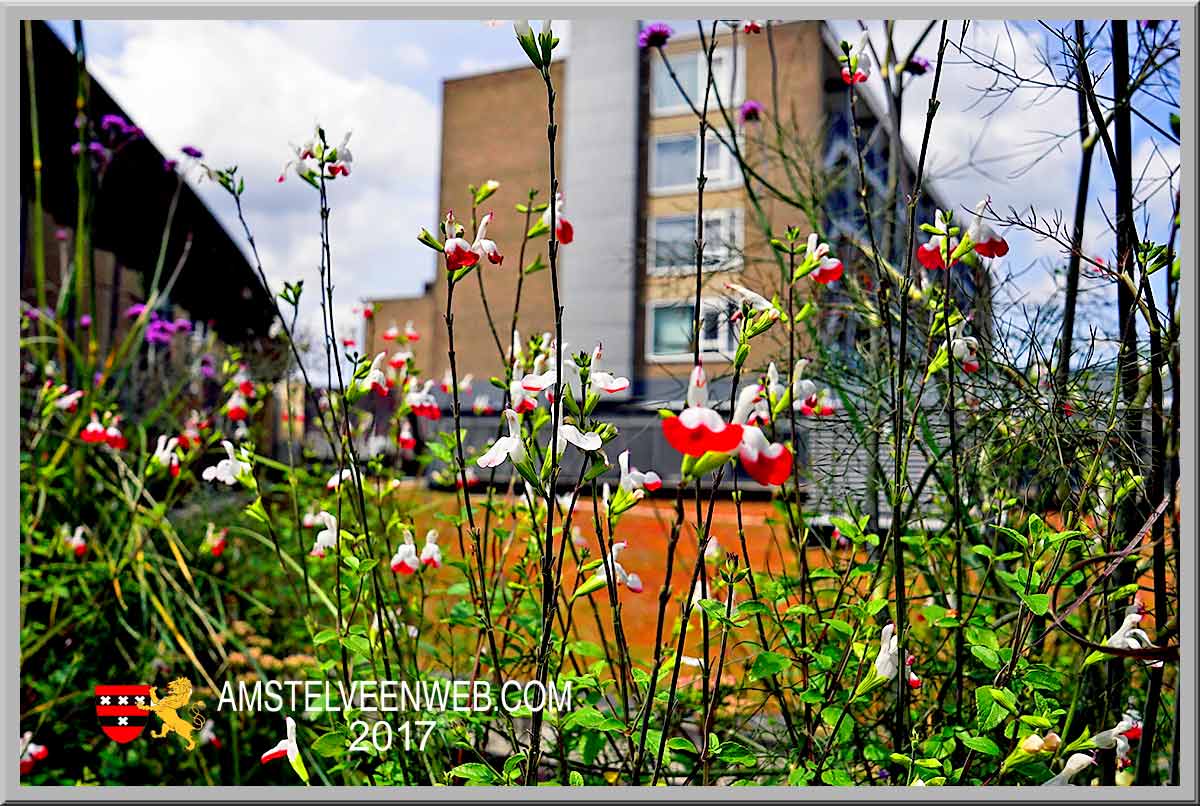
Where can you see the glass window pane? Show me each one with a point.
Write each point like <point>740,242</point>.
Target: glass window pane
<point>672,330</point>
<point>674,162</point>
<point>674,241</point>
<point>716,238</point>
<point>665,93</point>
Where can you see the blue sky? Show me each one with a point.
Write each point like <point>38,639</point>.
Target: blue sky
<point>241,90</point>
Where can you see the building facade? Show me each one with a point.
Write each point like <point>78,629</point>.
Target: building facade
<point>628,151</point>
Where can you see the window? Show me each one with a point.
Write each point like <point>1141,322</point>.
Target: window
<point>672,242</point>
<point>691,70</point>
<point>671,324</point>
<point>675,163</point>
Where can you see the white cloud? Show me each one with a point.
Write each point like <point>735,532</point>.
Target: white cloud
<point>241,92</point>
<point>410,55</point>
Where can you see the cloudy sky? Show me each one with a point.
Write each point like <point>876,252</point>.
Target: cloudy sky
<point>242,90</point>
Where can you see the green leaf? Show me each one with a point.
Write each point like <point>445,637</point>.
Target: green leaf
<point>837,777</point>
<point>329,744</point>
<point>575,778</point>
<point>324,637</point>
<point>987,657</point>
<point>682,745</point>
<point>768,664</point>
<point>734,753</point>
<point>590,585</point>
<point>982,744</point>
<point>475,774</point>
<point>1039,603</point>
<point>358,645</point>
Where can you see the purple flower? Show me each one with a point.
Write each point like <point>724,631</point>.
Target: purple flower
<point>34,314</point>
<point>884,775</point>
<point>917,65</point>
<point>751,112</point>
<point>169,165</point>
<point>655,35</point>
<point>61,234</point>
<point>193,152</point>
<point>159,332</point>
<point>183,326</point>
<point>114,122</point>
<point>85,321</point>
<point>135,310</point>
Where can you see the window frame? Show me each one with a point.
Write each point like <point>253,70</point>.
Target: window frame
<point>722,177</point>
<point>708,350</point>
<point>732,241</point>
<point>735,83</point>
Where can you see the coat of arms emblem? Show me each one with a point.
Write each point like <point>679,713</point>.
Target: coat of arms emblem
<point>117,707</point>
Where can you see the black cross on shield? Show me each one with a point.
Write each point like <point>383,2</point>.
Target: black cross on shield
<point>117,708</point>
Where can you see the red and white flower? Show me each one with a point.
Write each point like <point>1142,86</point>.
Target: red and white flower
<point>768,463</point>
<point>392,333</point>
<point>69,402</point>
<point>288,748</point>
<point>410,332</point>
<point>827,269</point>
<point>75,541</point>
<point>699,429</point>
<point>856,65</point>
<point>405,560</point>
<point>400,359</point>
<point>243,382</point>
<point>406,439</point>
<point>31,753</point>
<point>113,436</point>
<point>215,540</point>
<point>482,406</point>
<point>564,233</point>
<point>431,555</point>
<point>934,253</point>
<point>568,433</point>
<point>327,538</point>
<point>987,242</point>
<point>165,455</point>
<point>634,480</point>
<point>375,381</point>
<point>522,401</point>
<point>752,26</point>
<point>423,403</point>
<point>94,433</point>
<point>458,251</point>
<point>483,246</point>
<point>601,381</point>
<point>964,348</point>
<point>510,447</point>
<point>236,408</point>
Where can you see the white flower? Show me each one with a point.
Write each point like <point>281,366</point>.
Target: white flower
<point>228,470</point>
<point>1130,636</point>
<point>336,479</point>
<point>591,441</point>
<point>634,480</point>
<point>509,447</point>
<point>327,538</point>
<point>1076,764</point>
<point>623,577</point>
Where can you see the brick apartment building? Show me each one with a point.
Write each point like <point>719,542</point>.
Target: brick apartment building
<point>628,153</point>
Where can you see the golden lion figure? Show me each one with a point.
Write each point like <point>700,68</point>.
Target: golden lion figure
<point>178,697</point>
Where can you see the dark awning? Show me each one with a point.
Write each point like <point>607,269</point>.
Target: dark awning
<point>217,283</point>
